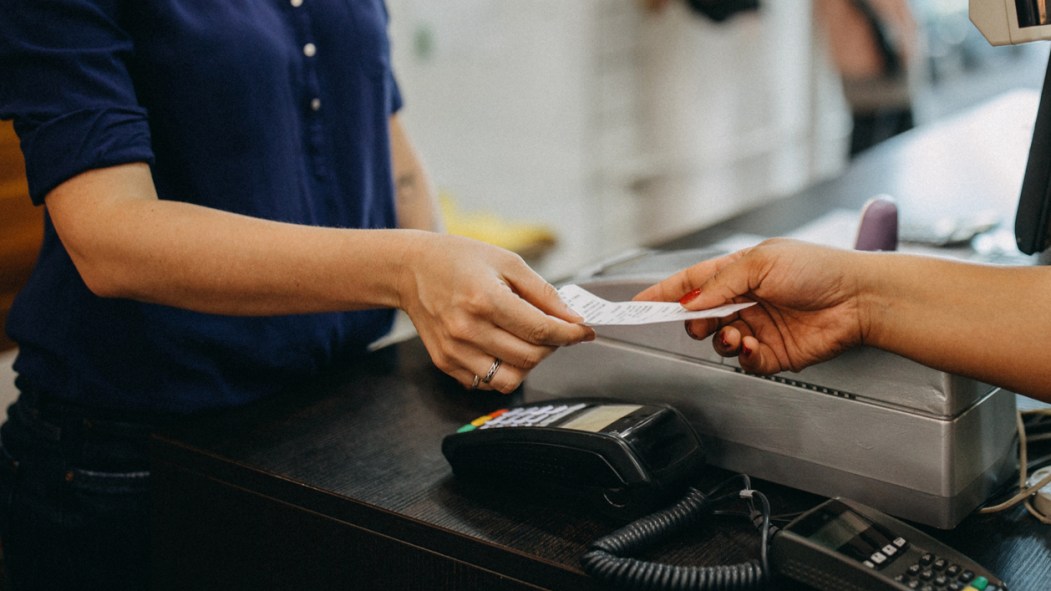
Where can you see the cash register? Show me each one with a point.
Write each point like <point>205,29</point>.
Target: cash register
<point>912,441</point>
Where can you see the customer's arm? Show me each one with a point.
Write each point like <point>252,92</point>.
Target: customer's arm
<point>470,301</point>
<point>990,323</point>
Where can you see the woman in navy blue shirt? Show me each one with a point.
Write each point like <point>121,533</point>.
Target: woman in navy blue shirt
<point>221,221</point>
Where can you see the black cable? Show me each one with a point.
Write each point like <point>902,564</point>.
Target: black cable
<point>608,560</point>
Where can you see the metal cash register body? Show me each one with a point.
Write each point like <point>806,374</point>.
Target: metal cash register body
<point>869,425</point>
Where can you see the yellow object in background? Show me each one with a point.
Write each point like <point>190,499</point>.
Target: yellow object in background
<point>526,239</point>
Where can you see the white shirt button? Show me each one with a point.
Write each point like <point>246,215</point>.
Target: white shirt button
<point>296,3</point>
<point>315,104</point>
<point>309,50</point>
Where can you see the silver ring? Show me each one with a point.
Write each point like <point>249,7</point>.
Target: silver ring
<point>474,384</point>
<point>492,371</point>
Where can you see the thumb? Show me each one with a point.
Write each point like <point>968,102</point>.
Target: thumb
<point>724,286</point>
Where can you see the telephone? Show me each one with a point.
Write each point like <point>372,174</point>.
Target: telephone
<point>627,459</point>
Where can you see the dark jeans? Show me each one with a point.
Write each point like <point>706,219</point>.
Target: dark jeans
<point>74,498</point>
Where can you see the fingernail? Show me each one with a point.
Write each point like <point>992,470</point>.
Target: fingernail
<point>690,296</point>
<point>746,351</point>
<point>723,342</point>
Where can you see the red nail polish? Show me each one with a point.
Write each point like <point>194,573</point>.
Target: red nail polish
<point>686,298</point>
<point>745,351</point>
<point>722,341</point>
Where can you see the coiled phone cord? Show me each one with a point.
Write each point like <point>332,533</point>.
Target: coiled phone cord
<point>607,562</point>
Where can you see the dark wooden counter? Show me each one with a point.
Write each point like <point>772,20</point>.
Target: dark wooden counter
<point>341,484</point>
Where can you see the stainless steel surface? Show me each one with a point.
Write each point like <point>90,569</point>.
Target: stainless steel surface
<point>928,469</point>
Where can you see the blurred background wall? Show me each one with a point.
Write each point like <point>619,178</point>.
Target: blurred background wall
<point>614,125</point>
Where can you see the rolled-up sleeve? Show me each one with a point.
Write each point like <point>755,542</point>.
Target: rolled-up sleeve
<point>66,85</point>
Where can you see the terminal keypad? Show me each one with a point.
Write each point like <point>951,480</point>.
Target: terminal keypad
<point>934,573</point>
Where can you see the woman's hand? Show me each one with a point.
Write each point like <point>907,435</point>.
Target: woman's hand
<point>807,303</point>
<point>473,303</point>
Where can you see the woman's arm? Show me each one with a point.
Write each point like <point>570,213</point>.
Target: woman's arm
<point>127,243</point>
<point>471,302</point>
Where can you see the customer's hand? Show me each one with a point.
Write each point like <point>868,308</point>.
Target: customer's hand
<point>473,303</point>
<point>807,303</point>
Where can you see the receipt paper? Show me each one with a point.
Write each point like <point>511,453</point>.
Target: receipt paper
<point>597,311</point>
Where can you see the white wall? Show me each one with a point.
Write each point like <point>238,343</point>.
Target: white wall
<point>734,115</point>
<point>613,126</point>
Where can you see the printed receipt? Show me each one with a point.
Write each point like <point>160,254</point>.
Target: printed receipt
<point>597,311</point>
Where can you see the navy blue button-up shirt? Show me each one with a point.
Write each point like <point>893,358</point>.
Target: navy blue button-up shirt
<point>277,109</point>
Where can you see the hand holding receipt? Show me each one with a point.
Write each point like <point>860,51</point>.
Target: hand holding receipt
<point>597,311</point>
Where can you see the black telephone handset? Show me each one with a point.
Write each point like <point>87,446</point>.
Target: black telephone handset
<point>841,544</point>
<point>622,458</point>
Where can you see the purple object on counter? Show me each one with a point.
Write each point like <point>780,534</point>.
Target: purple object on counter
<point>878,228</point>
